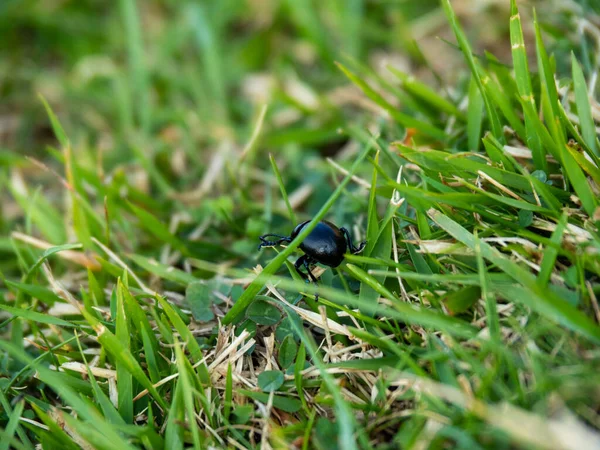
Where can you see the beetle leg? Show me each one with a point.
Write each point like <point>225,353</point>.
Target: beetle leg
<point>268,243</point>
<point>306,264</point>
<point>299,263</point>
<point>353,249</point>
<point>312,278</point>
<point>305,261</point>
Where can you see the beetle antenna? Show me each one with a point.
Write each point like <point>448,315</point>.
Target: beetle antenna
<point>268,243</point>
<point>353,249</point>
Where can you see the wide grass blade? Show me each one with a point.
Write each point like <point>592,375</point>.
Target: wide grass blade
<point>138,83</point>
<point>188,396</point>
<point>124,378</point>
<point>524,84</point>
<point>588,128</point>
<point>553,120</point>
<point>551,252</point>
<point>174,424</point>
<point>579,181</point>
<point>474,116</point>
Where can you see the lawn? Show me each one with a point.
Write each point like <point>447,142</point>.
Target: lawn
<point>146,146</point>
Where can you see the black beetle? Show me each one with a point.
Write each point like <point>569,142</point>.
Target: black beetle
<point>326,244</point>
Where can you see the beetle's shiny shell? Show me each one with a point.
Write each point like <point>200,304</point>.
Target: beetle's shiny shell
<point>325,243</point>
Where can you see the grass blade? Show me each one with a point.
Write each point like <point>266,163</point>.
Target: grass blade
<point>36,316</point>
<point>524,84</point>
<point>588,128</point>
<point>113,346</point>
<point>491,310</point>
<point>551,252</point>
<point>424,92</point>
<point>59,132</point>
<point>403,119</point>
<point>548,85</point>
<point>138,83</point>
<point>124,378</point>
<point>13,422</point>
<point>468,54</point>
<point>187,393</point>
<point>474,116</point>
<point>282,189</point>
<point>149,222</point>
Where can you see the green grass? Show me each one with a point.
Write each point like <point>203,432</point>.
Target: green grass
<point>144,148</point>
